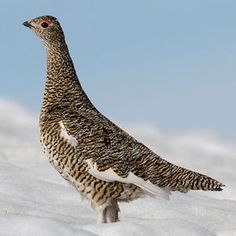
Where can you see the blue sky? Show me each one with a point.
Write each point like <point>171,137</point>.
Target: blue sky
<point>169,63</point>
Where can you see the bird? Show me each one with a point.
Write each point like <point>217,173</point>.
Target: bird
<point>102,161</point>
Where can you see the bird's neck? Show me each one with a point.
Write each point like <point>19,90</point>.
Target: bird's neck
<point>62,89</point>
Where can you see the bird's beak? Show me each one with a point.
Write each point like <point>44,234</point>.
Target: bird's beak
<point>27,24</point>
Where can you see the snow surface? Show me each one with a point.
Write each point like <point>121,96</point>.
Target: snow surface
<point>35,200</point>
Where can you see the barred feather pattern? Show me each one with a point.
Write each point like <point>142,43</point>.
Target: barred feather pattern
<point>68,115</point>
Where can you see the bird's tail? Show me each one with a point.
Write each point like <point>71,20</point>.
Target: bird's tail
<point>181,179</point>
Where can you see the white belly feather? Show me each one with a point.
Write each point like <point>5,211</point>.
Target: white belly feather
<point>109,175</point>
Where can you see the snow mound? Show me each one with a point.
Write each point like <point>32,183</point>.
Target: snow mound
<point>35,200</point>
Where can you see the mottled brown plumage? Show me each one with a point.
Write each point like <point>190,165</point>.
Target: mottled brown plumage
<point>101,160</point>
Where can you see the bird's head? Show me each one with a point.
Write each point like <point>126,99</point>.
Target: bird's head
<point>47,28</point>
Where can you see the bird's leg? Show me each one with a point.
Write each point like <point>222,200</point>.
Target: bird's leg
<point>112,211</point>
<point>108,211</point>
<point>101,217</point>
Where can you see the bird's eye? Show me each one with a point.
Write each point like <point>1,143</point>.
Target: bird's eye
<point>44,24</point>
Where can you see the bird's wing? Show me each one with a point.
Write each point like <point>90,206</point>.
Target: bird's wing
<point>113,155</point>
<point>110,153</point>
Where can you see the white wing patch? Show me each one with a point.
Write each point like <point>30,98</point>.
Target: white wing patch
<point>109,175</point>
<point>69,138</point>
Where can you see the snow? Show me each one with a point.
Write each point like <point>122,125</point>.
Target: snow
<point>35,200</point>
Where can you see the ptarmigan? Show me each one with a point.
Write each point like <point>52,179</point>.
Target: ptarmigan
<point>101,160</point>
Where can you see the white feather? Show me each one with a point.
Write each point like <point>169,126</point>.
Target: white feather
<point>69,138</point>
<point>109,175</point>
